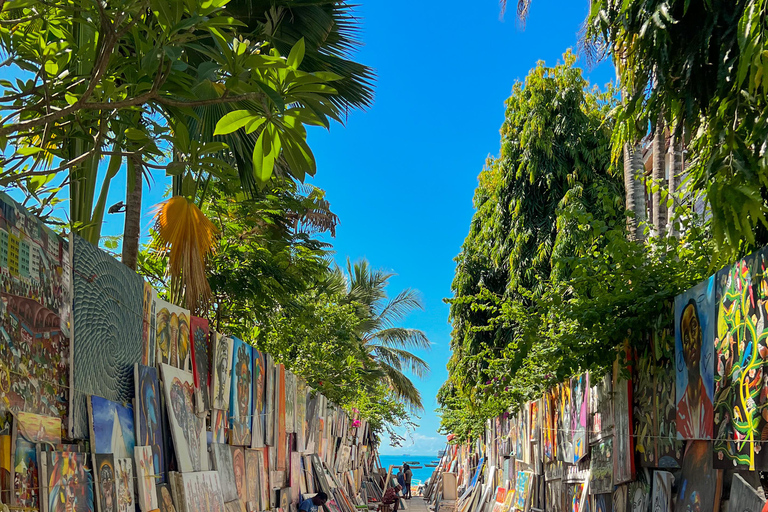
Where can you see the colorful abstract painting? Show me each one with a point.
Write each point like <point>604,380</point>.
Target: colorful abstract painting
<point>145,478</point>
<point>124,485</point>
<point>202,492</point>
<point>221,378</point>
<point>149,327</point>
<point>24,474</point>
<point>108,330</point>
<point>741,348</point>
<point>699,483</point>
<point>694,360</point>
<point>219,426</point>
<point>602,503</point>
<point>601,408</point>
<point>35,314</point>
<point>575,498</point>
<point>172,335</point>
<point>111,427</point>
<point>187,428</point>
<point>106,490</point>
<point>654,405</point>
<point>149,418</point>
<point>522,489</point>
<point>269,402</point>
<point>201,361</point>
<point>222,462</point>
<point>601,466</point>
<point>579,415</point>
<point>623,447</point>
<point>241,399</point>
<point>549,425</point>
<point>565,450</point>
<point>37,428</point>
<point>70,484</point>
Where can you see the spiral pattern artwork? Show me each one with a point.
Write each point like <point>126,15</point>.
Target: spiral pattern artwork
<point>108,323</point>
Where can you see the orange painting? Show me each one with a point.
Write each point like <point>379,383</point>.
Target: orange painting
<point>39,429</point>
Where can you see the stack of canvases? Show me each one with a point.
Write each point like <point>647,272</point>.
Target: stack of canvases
<point>683,426</point>
<point>159,410</point>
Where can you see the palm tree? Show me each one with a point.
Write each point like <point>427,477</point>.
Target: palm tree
<point>387,344</point>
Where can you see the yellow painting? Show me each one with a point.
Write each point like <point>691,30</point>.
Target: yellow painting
<point>37,428</point>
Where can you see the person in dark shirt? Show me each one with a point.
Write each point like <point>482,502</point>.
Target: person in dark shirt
<point>313,503</point>
<point>408,476</point>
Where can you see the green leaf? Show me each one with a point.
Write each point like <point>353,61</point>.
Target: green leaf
<point>234,121</point>
<point>297,54</point>
<point>265,153</point>
<point>273,95</point>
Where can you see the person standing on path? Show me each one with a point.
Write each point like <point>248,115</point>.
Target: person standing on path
<point>408,476</point>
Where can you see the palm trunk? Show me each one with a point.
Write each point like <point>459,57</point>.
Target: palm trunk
<point>659,210</point>
<point>675,166</point>
<point>132,229</point>
<point>635,190</point>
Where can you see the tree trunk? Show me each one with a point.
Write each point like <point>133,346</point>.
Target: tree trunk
<point>675,166</point>
<point>659,211</point>
<point>635,190</point>
<point>132,229</point>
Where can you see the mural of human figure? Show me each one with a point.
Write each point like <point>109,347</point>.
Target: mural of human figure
<point>694,409</point>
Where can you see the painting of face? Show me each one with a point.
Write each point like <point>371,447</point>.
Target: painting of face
<point>242,393</point>
<point>124,477</point>
<point>173,335</point>
<point>70,485</point>
<point>694,360</point>
<point>105,482</point>
<point>222,373</point>
<point>148,415</point>
<point>238,466</point>
<point>187,428</point>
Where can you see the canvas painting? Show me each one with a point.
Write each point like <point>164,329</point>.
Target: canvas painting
<point>601,408</point>
<point>106,490</point>
<point>623,449</point>
<point>24,473</point>
<point>238,469</point>
<point>149,418</point>
<point>70,484</point>
<point>301,415</point>
<point>221,378</point>
<point>296,474</point>
<point>219,426</point>
<point>149,327</point>
<point>565,450</point>
<point>522,489</point>
<point>661,497</point>
<point>744,497</point>
<point>639,496</point>
<point>694,360</point>
<point>111,427</point>
<point>259,416</point>
<point>172,335</point>
<point>269,403</point>
<point>164,498</point>
<point>654,405</point>
<point>201,361</point>
<point>222,462</point>
<point>602,503</point>
<point>252,483</point>
<point>262,462</point>
<point>290,402</point>
<point>124,485</point>
<point>202,492</point>
<point>241,401</point>
<point>579,415</point>
<point>280,434</point>
<point>145,478</point>
<point>37,428</point>
<point>601,467</point>
<point>554,498</point>
<point>108,330</point>
<point>575,500</point>
<point>35,314</point>
<point>187,428</point>
<point>285,498</point>
<point>741,348</point>
<point>549,425</point>
<point>699,483</point>
<point>621,498</point>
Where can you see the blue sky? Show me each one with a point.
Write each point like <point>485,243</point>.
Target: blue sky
<point>401,175</point>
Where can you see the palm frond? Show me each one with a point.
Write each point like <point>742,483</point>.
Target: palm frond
<point>403,388</point>
<point>402,337</point>
<point>399,307</point>
<point>402,359</point>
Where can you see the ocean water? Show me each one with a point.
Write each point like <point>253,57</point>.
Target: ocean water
<point>418,474</point>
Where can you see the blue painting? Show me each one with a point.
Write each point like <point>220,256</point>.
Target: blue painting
<point>241,398</point>
<point>111,427</point>
<point>694,360</point>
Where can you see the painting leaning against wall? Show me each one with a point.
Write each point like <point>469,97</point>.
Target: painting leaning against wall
<point>741,350</point>
<point>35,314</point>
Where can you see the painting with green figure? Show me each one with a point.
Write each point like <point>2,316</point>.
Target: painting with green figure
<point>654,404</point>
<point>741,351</point>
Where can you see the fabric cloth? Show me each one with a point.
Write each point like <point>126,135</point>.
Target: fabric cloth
<point>308,506</point>
<point>390,496</point>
